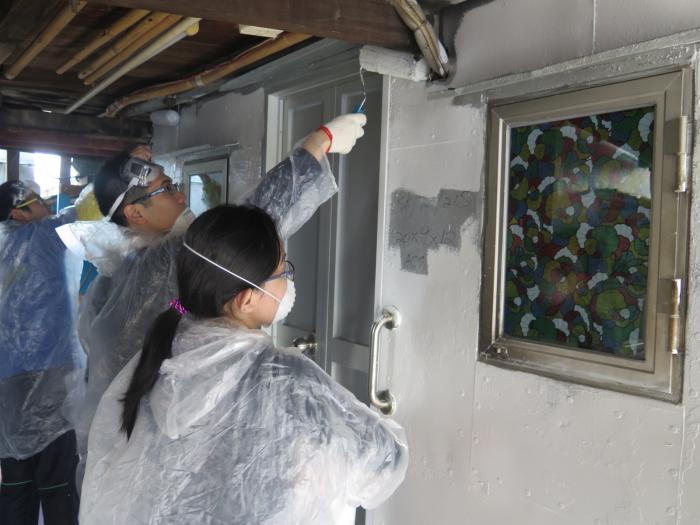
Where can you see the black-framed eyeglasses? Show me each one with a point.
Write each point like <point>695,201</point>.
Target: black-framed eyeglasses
<point>288,272</point>
<point>168,187</point>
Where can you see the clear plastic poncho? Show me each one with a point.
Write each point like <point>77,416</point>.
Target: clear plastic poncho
<point>136,285</point>
<point>238,432</point>
<point>42,366</point>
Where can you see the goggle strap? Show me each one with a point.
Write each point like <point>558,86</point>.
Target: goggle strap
<point>134,182</point>
<point>22,205</point>
<point>229,271</point>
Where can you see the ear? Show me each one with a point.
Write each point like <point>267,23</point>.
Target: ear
<point>246,301</point>
<point>240,306</point>
<point>134,215</point>
<point>18,215</point>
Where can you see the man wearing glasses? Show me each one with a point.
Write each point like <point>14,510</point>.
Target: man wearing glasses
<point>138,195</point>
<point>42,365</point>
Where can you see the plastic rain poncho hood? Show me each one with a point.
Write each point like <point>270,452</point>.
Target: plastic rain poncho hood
<point>42,366</point>
<point>238,432</point>
<point>135,286</point>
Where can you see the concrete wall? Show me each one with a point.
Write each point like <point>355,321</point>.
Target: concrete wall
<point>230,118</point>
<point>491,446</point>
<point>511,36</point>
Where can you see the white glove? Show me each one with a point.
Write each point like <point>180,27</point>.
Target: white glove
<point>344,131</point>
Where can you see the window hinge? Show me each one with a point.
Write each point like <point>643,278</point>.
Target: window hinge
<point>674,329</point>
<point>682,173</point>
<point>495,351</point>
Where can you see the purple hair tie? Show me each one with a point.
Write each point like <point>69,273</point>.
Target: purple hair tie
<point>177,305</point>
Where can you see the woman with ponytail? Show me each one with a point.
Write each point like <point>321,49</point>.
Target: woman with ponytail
<point>212,424</point>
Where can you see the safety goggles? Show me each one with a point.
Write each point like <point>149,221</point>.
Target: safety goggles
<point>26,203</point>
<point>136,172</point>
<point>143,171</point>
<point>25,197</point>
<point>288,273</point>
<point>168,187</point>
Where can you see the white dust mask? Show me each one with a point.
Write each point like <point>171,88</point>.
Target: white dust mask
<point>287,303</point>
<point>183,222</point>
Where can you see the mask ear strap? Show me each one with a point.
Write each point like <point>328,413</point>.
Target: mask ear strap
<point>229,271</point>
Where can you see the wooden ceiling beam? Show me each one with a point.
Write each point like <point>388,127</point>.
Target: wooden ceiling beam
<point>84,124</point>
<point>6,49</point>
<point>361,21</point>
<point>31,130</point>
<point>22,17</point>
<point>20,20</point>
<point>64,143</point>
<point>44,39</point>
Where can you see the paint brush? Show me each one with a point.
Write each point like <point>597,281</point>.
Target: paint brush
<point>360,108</point>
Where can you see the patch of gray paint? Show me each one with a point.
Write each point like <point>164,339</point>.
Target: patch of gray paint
<point>418,224</point>
<point>473,100</point>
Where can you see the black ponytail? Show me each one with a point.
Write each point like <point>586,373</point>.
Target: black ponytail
<point>156,348</point>
<point>241,238</point>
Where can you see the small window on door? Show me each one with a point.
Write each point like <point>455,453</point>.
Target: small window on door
<point>586,236</point>
<point>206,183</point>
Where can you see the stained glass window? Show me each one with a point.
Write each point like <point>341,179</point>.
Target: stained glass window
<point>586,235</point>
<point>577,231</point>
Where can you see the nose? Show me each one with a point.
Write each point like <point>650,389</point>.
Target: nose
<point>180,197</point>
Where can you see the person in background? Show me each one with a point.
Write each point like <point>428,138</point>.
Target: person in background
<point>211,423</point>
<point>42,365</point>
<point>82,196</point>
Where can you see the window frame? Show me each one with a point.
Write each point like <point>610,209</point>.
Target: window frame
<point>659,374</point>
<point>204,166</point>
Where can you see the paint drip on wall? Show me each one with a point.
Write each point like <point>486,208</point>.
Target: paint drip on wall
<point>419,224</point>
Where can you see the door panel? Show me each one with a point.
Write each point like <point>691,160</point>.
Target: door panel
<point>302,114</point>
<point>303,315</point>
<point>354,240</point>
<point>352,379</point>
<point>334,253</point>
<point>356,221</point>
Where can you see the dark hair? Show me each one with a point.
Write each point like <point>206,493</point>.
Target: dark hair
<point>241,238</point>
<point>108,185</point>
<point>10,191</point>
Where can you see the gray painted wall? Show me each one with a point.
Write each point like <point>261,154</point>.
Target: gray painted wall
<point>230,118</point>
<point>492,446</point>
<point>512,36</point>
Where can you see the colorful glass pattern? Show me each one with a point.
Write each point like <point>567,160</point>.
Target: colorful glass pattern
<point>577,239</point>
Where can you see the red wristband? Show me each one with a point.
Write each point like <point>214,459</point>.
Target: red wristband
<point>329,134</point>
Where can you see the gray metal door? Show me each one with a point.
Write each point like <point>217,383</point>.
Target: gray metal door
<point>352,245</point>
<point>335,252</point>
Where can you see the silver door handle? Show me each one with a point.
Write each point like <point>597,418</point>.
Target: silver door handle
<point>383,400</point>
<point>307,345</point>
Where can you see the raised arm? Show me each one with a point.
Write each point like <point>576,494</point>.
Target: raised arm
<point>294,189</point>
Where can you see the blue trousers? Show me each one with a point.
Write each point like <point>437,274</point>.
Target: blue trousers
<point>47,478</point>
